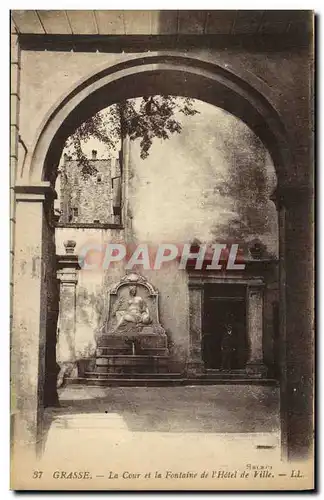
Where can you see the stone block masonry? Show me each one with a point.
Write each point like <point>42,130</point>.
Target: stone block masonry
<point>90,198</point>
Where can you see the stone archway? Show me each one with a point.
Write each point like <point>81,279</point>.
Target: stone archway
<point>171,74</point>
<point>162,73</point>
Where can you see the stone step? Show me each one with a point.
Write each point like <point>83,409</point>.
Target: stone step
<point>158,381</point>
<point>218,370</point>
<point>139,357</point>
<point>134,375</point>
<point>234,374</point>
<point>226,375</point>
<point>133,363</point>
<point>163,375</point>
<point>126,382</point>
<point>108,351</point>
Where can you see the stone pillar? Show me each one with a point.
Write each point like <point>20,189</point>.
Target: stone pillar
<point>195,365</point>
<point>295,210</point>
<point>255,365</point>
<point>67,275</point>
<point>126,209</point>
<point>28,336</point>
<point>282,327</point>
<point>14,137</point>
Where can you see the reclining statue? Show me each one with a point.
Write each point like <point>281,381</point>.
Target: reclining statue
<point>134,311</point>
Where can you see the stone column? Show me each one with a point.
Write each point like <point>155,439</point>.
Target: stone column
<point>255,365</point>
<point>195,365</point>
<point>126,209</point>
<point>295,211</point>
<point>14,137</point>
<point>28,336</point>
<point>67,275</point>
<point>282,327</point>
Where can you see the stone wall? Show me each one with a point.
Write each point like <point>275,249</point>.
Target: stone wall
<point>185,190</point>
<point>270,320</point>
<point>88,197</point>
<point>211,182</point>
<point>52,292</point>
<point>286,69</point>
<point>284,77</point>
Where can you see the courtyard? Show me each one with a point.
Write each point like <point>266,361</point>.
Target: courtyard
<point>136,428</point>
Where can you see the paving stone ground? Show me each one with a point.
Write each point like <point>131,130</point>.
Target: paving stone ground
<point>227,408</point>
<point>141,428</point>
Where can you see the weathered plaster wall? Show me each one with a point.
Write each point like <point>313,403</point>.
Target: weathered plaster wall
<point>191,186</point>
<point>211,182</point>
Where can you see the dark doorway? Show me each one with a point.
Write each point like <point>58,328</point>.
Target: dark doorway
<point>224,309</point>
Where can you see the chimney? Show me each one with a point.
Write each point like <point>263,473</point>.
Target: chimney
<point>94,154</point>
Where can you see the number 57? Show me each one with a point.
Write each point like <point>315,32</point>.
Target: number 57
<point>37,474</point>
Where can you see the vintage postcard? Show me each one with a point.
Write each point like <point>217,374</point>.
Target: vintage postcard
<point>162,265</point>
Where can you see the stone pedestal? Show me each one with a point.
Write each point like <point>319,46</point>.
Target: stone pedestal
<point>68,277</point>
<point>255,365</point>
<point>145,343</point>
<point>145,352</point>
<point>195,365</point>
<point>131,365</point>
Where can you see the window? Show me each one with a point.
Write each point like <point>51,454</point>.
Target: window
<point>74,213</point>
<point>96,221</point>
<point>99,178</point>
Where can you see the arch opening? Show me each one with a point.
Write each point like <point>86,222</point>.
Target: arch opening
<point>213,88</point>
<point>165,76</point>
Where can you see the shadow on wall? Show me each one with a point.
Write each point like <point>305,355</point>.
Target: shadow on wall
<point>89,315</point>
<point>213,181</point>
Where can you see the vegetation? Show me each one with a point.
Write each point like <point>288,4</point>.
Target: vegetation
<point>144,118</point>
